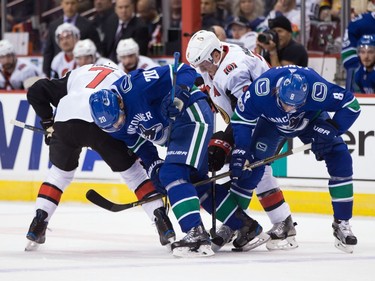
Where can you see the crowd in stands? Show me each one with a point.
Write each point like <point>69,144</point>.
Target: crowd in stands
<point>270,28</point>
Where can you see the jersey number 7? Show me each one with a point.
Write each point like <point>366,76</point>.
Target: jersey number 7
<point>104,72</point>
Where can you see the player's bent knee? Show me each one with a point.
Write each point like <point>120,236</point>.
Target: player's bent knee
<point>171,172</point>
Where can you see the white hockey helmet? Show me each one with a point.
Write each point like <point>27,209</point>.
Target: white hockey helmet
<point>200,47</point>
<point>127,47</point>
<point>6,48</point>
<point>84,48</point>
<point>68,28</point>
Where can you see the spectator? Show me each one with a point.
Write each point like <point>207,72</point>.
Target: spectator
<point>365,74</point>
<point>209,14</point>
<point>219,32</point>
<point>148,11</point>
<point>124,24</point>
<point>325,32</point>
<point>242,33</point>
<point>252,10</point>
<point>224,10</point>
<point>175,20</point>
<point>66,36</point>
<point>371,6</point>
<point>288,8</point>
<point>278,47</point>
<point>86,28</point>
<point>312,7</point>
<point>325,14</point>
<point>14,72</point>
<point>268,6</point>
<point>129,58</point>
<point>104,9</point>
<point>85,53</point>
<point>363,24</point>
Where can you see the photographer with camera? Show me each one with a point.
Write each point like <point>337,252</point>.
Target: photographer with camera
<point>277,46</point>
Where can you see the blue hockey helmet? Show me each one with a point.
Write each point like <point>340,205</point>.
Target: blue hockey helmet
<point>107,110</point>
<point>367,40</point>
<point>293,91</point>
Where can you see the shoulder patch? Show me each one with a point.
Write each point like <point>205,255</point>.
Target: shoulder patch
<point>21,66</point>
<point>230,67</point>
<point>262,87</point>
<point>319,92</point>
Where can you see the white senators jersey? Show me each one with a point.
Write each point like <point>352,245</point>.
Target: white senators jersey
<point>82,82</point>
<point>23,70</point>
<point>61,64</point>
<point>238,69</point>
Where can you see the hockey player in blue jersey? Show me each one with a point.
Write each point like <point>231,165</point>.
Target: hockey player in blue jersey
<point>288,102</point>
<point>364,76</point>
<point>360,25</point>
<point>139,110</point>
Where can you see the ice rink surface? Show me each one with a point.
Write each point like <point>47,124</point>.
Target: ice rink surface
<point>86,242</point>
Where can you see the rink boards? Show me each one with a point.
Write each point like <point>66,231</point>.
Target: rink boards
<point>24,163</point>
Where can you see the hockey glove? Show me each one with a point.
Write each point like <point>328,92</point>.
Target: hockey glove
<point>171,110</point>
<point>240,159</point>
<point>218,150</point>
<point>324,134</point>
<point>153,174</point>
<point>47,125</point>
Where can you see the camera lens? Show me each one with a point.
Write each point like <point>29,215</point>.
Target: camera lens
<point>263,38</point>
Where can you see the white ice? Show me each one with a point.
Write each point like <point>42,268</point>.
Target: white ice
<point>90,243</point>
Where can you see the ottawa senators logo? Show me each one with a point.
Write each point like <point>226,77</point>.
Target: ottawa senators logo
<point>230,67</point>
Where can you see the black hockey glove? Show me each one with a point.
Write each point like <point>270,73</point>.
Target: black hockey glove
<point>171,110</point>
<point>47,125</point>
<point>218,150</point>
<point>153,174</point>
<point>325,131</point>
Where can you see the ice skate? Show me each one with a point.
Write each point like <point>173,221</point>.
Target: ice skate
<point>250,235</point>
<point>196,243</point>
<point>344,237</point>
<point>223,236</point>
<point>283,235</point>
<point>164,227</point>
<point>37,231</point>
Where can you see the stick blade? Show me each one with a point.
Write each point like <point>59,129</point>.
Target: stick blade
<point>95,198</point>
<point>17,123</point>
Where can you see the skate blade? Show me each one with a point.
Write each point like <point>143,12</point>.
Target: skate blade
<point>289,243</point>
<point>343,247</point>
<point>168,246</point>
<point>31,246</point>
<point>186,252</point>
<point>256,242</point>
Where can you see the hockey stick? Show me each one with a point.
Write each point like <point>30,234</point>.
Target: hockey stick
<point>29,127</point>
<point>99,200</point>
<point>213,212</point>
<point>173,90</point>
<point>175,67</point>
<point>259,163</point>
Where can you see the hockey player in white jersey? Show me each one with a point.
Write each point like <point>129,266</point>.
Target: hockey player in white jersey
<point>129,58</point>
<point>14,71</point>
<point>85,53</point>
<point>66,36</point>
<point>71,129</point>
<point>227,70</point>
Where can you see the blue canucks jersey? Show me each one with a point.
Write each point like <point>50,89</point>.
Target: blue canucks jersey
<point>361,25</point>
<point>144,90</point>
<point>365,80</point>
<point>260,100</point>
